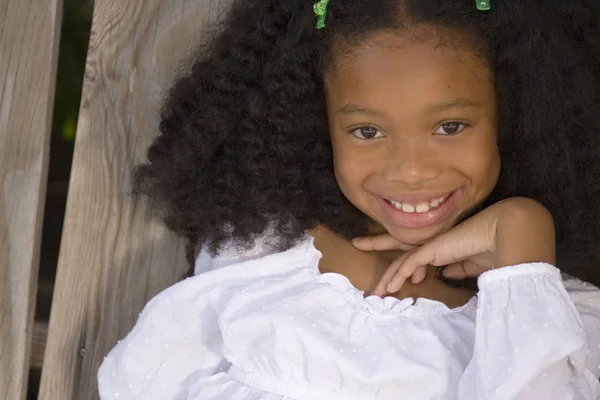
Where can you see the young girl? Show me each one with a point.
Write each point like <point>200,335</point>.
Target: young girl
<point>464,135</point>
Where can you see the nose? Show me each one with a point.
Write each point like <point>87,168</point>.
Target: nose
<point>411,162</point>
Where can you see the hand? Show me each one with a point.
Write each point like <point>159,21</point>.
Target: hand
<point>510,232</point>
<point>381,242</point>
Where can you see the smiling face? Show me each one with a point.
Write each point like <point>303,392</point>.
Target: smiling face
<point>414,132</point>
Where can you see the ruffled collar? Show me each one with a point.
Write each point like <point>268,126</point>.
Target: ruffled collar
<point>386,307</point>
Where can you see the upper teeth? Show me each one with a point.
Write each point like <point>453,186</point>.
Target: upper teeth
<point>421,207</point>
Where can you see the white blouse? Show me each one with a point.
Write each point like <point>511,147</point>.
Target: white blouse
<point>272,327</point>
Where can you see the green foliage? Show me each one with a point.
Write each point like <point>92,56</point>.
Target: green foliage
<point>75,34</point>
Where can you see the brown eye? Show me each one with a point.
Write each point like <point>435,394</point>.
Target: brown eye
<point>451,128</point>
<point>366,132</point>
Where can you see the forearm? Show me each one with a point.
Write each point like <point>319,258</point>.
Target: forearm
<point>525,234</point>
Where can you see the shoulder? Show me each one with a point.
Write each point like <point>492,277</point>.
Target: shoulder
<point>229,256</point>
<point>262,252</point>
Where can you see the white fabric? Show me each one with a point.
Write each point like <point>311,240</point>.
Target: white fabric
<point>273,328</point>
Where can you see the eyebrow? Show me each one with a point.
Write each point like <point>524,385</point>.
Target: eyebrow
<point>355,109</point>
<point>456,103</point>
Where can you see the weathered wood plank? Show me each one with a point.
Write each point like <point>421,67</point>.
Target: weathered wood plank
<point>29,41</point>
<point>113,257</point>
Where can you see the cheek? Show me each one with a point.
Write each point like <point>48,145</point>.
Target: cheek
<point>484,168</point>
<point>352,168</point>
<point>493,157</point>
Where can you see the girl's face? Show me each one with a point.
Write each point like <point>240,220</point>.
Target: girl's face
<point>414,131</point>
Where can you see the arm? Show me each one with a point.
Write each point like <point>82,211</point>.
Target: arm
<point>533,341</point>
<point>176,336</point>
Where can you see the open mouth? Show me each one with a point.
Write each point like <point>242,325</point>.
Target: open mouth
<point>421,207</point>
<point>420,213</point>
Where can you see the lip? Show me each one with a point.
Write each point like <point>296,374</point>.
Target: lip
<point>418,220</point>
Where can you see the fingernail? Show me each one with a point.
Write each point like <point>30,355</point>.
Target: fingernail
<point>454,283</point>
<point>356,239</point>
<point>391,288</point>
<point>443,274</point>
<point>440,272</point>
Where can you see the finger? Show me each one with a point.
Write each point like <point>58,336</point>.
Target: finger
<point>419,275</point>
<point>380,243</point>
<point>409,266</point>
<point>463,270</point>
<point>381,287</point>
<point>455,271</point>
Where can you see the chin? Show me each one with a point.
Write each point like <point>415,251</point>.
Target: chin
<point>416,236</point>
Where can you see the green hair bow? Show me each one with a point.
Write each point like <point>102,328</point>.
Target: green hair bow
<point>483,5</point>
<point>320,9</point>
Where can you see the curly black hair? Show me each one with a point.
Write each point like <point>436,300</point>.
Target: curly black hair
<point>244,143</point>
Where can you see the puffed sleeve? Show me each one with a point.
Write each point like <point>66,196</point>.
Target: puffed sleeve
<point>176,337</point>
<point>534,339</point>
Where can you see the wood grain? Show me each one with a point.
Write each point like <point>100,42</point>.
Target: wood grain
<point>29,40</point>
<point>113,257</point>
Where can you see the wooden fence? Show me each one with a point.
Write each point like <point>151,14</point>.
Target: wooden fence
<point>113,256</point>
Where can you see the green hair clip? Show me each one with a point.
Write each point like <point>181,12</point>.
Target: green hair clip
<point>320,9</point>
<point>483,5</point>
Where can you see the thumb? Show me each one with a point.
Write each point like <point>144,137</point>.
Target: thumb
<point>463,270</point>
<point>382,242</point>
<point>454,271</point>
